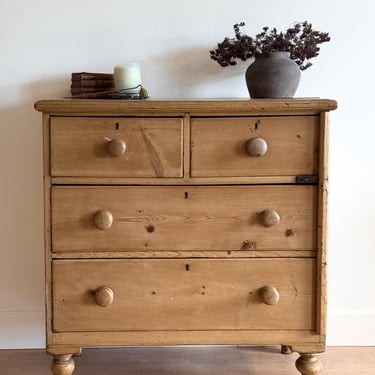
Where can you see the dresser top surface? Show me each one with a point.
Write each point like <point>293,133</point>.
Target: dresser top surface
<point>180,106</point>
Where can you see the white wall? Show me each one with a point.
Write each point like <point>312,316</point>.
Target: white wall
<point>43,41</point>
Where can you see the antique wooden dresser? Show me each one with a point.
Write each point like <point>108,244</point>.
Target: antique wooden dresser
<point>185,222</point>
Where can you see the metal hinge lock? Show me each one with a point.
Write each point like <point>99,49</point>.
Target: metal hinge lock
<point>307,179</point>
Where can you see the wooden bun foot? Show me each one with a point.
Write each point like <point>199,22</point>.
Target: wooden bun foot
<point>309,364</point>
<point>62,365</point>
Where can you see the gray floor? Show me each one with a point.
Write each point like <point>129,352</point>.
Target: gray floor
<point>189,361</point>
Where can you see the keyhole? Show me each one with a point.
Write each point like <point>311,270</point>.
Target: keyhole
<point>117,125</point>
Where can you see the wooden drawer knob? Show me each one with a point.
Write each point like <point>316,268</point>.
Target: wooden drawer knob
<point>104,296</point>
<point>256,146</point>
<point>116,147</point>
<point>269,295</point>
<point>103,219</point>
<point>270,218</point>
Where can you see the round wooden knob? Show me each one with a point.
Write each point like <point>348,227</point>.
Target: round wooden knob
<point>256,146</point>
<point>103,219</point>
<point>270,218</point>
<point>116,147</point>
<point>104,296</point>
<point>269,295</point>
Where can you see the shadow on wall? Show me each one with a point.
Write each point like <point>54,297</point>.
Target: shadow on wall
<point>179,73</point>
<point>22,260</point>
<point>192,74</point>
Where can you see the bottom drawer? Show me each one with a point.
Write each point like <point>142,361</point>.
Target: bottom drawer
<point>198,294</point>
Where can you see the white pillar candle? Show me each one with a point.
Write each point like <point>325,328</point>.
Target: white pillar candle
<point>127,75</point>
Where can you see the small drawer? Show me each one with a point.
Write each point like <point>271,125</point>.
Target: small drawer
<point>254,146</point>
<point>216,294</point>
<point>191,218</point>
<point>116,147</point>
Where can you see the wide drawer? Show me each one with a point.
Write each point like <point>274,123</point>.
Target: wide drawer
<point>216,294</point>
<point>116,147</point>
<point>231,146</point>
<point>150,218</point>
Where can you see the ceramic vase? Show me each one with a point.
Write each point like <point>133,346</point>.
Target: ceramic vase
<point>275,76</point>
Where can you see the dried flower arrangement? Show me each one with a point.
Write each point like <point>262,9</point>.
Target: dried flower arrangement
<point>301,41</point>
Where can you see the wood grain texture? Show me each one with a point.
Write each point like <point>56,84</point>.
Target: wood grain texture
<point>79,147</point>
<point>186,254</point>
<point>167,338</point>
<point>218,146</point>
<point>255,180</point>
<point>322,227</point>
<point>47,223</point>
<point>194,106</point>
<point>184,218</point>
<point>209,254</point>
<point>198,294</point>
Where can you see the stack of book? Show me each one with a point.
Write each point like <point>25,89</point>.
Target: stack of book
<point>91,84</point>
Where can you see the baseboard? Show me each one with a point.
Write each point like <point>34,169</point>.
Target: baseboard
<point>25,330</point>
<point>351,328</point>
<point>22,330</point>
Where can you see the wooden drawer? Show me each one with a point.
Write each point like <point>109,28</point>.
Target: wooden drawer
<point>182,294</point>
<point>92,147</point>
<point>219,146</point>
<point>150,218</point>
<point>185,238</point>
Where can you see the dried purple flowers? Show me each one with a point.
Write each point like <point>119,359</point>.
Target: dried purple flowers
<point>300,40</point>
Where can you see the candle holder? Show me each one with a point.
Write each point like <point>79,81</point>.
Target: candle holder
<point>141,94</point>
<point>129,93</point>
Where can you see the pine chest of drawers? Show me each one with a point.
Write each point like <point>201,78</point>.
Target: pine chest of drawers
<point>185,222</point>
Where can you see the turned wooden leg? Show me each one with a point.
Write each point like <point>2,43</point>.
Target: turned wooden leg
<point>286,349</point>
<point>309,364</point>
<point>62,364</point>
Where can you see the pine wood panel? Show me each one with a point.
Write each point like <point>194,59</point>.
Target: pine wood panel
<point>79,147</point>
<point>254,180</point>
<point>186,254</point>
<point>172,107</point>
<point>182,337</point>
<point>167,218</point>
<point>47,224</point>
<point>322,225</point>
<point>183,294</point>
<point>218,146</point>
<point>216,225</point>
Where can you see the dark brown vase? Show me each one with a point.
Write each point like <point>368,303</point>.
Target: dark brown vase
<point>276,76</point>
